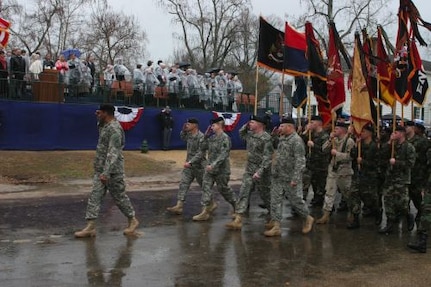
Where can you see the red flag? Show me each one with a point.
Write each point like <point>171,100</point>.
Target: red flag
<point>335,76</point>
<point>317,71</point>
<point>295,46</point>
<point>4,32</point>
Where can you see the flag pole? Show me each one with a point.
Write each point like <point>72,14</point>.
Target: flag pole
<point>378,113</point>
<point>359,153</point>
<point>256,91</point>
<point>309,109</point>
<point>280,113</point>
<point>394,123</point>
<point>412,112</point>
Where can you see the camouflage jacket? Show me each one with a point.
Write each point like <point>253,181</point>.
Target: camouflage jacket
<point>194,143</point>
<point>218,149</point>
<point>317,158</point>
<point>341,163</point>
<point>419,170</point>
<point>109,152</point>
<point>259,151</point>
<point>367,171</point>
<point>405,157</point>
<point>289,162</point>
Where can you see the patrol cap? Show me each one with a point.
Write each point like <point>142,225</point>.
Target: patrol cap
<point>409,124</point>
<point>257,119</point>
<point>288,120</point>
<point>193,121</point>
<point>110,109</point>
<point>369,127</point>
<point>316,118</point>
<point>399,128</point>
<point>342,124</point>
<point>217,120</point>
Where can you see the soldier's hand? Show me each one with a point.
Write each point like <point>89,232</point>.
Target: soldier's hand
<point>187,165</point>
<point>332,135</point>
<point>256,175</point>
<point>333,152</point>
<point>275,131</point>
<point>310,144</point>
<point>359,160</point>
<point>293,183</point>
<point>103,179</point>
<point>184,126</point>
<point>209,168</point>
<point>392,161</point>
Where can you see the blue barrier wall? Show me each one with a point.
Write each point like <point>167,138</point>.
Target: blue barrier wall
<point>50,126</point>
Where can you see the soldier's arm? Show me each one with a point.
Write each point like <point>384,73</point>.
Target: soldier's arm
<point>345,156</point>
<point>223,153</point>
<point>184,135</point>
<point>318,145</point>
<point>243,132</point>
<point>197,158</point>
<point>408,159</point>
<point>113,153</point>
<point>299,161</point>
<point>371,159</point>
<point>268,150</point>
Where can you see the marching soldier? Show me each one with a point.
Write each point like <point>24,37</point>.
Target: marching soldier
<point>286,179</point>
<point>218,146</point>
<point>398,174</point>
<point>364,180</point>
<point>258,168</point>
<point>340,168</point>
<point>194,165</point>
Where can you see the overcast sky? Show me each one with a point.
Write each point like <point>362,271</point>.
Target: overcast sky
<point>157,23</point>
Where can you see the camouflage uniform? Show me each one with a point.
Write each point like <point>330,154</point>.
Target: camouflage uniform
<point>218,148</point>
<point>109,162</point>
<point>365,179</point>
<point>419,174</point>
<point>339,170</point>
<point>259,157</point>
<point>197,161</point>
<point>288,166</point>
<point>317,164</point>
<point>395,189</point>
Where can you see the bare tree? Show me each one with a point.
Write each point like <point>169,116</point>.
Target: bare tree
<point>208,28</point>
<point>111,35</point>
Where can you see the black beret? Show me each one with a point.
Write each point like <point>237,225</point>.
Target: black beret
<point>316,118</point>
<point>342,124</point>
<point>193,121</point>
<point>107,108</point>
<point>400,129</point>
<point>258,119</point>
<point>216,120</point>
<point>369,127</point>
<point>420,126</point>
<point>288,120</point>
<point>409,124</point>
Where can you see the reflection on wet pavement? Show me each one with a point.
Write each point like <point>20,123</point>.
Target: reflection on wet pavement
<point>37,248</point>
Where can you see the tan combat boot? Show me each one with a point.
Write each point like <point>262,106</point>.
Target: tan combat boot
<point>177,209</point>
<point>88,231</point>
<point>308,224</point>
<point>133,224</point>
<point>324,219</point>
<point>274,231</point>
<point>235,224</point>
<point>204,215</point>
<point>269,224</point>
<point>213,206</point>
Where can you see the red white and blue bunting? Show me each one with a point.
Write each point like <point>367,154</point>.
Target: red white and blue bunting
<point>231,120</point>
<point>128,117</point>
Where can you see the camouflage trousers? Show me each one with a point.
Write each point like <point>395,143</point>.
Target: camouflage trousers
<point>425,223</point>
<point>334,183</point>
<point>366,192</point>
<point>318,182</point>
<point>221,180</point>
<point>187,177</point>
<point>396,200</point>
<point>262,185</point>
<point>281,188</point>
<point>117,189</point>
<point>415,194</point>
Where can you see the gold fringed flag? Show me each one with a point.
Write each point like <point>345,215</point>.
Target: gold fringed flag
<point>384,70</point>
<point>4,32</point>
<point>360,106</point>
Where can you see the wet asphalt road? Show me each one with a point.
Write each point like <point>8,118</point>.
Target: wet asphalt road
<point>37,248</point>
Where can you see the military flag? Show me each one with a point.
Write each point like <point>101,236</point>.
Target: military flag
<point>300,94</point>
<point>335,75</point>
<point>270,51</point>
<point>417,78</point>
<point>317,71</point>
<point>4,32</point>
<point>383,70</point>
<point>295,62</point>
<point>361,105</point>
